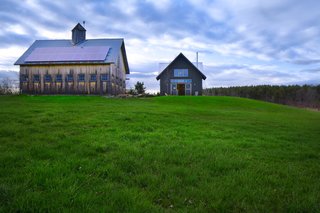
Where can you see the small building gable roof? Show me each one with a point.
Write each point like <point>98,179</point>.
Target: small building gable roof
<point>183,57</point>
<point>79,27</point>
<point>103,51</point>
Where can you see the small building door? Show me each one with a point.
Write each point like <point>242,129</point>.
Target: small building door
<point>181,89</point>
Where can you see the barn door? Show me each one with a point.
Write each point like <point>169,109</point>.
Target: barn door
<point>181,89</point>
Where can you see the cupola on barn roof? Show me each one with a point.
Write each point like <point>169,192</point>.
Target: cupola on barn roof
<point>78,34</point>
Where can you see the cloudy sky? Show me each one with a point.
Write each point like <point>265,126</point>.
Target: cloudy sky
<point>247,42</point>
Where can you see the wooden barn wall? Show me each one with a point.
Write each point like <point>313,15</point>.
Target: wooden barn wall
<point>113,86</point>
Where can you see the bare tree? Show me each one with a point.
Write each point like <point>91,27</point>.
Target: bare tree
<point>6,86</point>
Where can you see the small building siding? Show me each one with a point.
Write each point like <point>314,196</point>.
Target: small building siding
<point>112,86</point>
<point>168,74</point>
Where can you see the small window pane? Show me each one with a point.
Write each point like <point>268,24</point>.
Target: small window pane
<point>70,77</point>
<point>93,77</point>
<point>47,78</point>
<point>104,77</point>
<point>58,78</point>
<point>181,81</point>
<point>36,78</point>
<point>81,77</point>
<point>180,72</point>
<point>24,78</point>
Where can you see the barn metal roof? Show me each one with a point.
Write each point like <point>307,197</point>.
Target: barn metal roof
<point>110,50</point>
<point>77,53</point>
<point>187,60</point>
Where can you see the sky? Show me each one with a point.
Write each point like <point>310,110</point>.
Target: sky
<point>247,42</point>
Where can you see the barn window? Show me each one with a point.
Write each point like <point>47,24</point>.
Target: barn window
<point>36,78</point>
<point>69,77</point>
<point>180,72</point>
<point>47,78</point>
<point>81,77</point>
<point>104,77</point>
<point>58,78</point>
<point>24,78</point>
<point>93,77</point>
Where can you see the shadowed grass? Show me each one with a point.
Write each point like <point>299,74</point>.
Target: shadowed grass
<point>211,154</point>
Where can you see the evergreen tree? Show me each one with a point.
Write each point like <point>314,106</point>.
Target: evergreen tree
<point>140,88</point>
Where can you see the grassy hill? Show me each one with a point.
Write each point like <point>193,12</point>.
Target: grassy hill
<point>158,154</point>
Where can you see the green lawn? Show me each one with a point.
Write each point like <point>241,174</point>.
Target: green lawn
<point>212,154</point>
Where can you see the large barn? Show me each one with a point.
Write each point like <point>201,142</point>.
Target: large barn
<point>181,77</point>
<point>74,66</point>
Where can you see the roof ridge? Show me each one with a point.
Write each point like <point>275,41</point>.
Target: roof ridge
<point>84,40</point>
<point>106,39</point>
<point>53,40</point>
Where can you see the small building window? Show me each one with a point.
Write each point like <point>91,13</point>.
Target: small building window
<point>174,89</point>
<point>174,86</point>
<point>47,78</point>
<point>104,77</point>
<point>180,72</point>
<point>185,81</point>
<point>188,89</point>
<point>81,77</point>
<point>69,77</point>
<point>24,78</point>
<point>36,78</point>
<point>93,77</point>
<point>58,78</point>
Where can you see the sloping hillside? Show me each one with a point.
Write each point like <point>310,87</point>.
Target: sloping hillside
<point>158,154</point>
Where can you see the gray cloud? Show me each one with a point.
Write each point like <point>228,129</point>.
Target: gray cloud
<point>314,70</point>
<point>306,62</point>
<point>16,39</point>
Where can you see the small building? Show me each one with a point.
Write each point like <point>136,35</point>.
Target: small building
<point>74,66</point>
<point>181,77</point>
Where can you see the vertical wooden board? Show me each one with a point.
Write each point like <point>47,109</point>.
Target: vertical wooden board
<point>41,70</point>
<point>89,71</point>
<point>60,71</point>
<point>100,70</point>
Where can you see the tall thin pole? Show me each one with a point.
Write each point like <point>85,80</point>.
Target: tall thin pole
<point>197,59</point>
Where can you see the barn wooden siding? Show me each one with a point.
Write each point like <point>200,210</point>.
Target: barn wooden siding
<point>113,85</point>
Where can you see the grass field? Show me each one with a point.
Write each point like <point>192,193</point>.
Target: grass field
<point>211,154</point>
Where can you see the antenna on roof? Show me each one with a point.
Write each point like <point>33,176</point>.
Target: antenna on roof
<point>84,23</point>
<point>197,59</point>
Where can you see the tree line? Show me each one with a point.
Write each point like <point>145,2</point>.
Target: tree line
<point>296,95</point>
